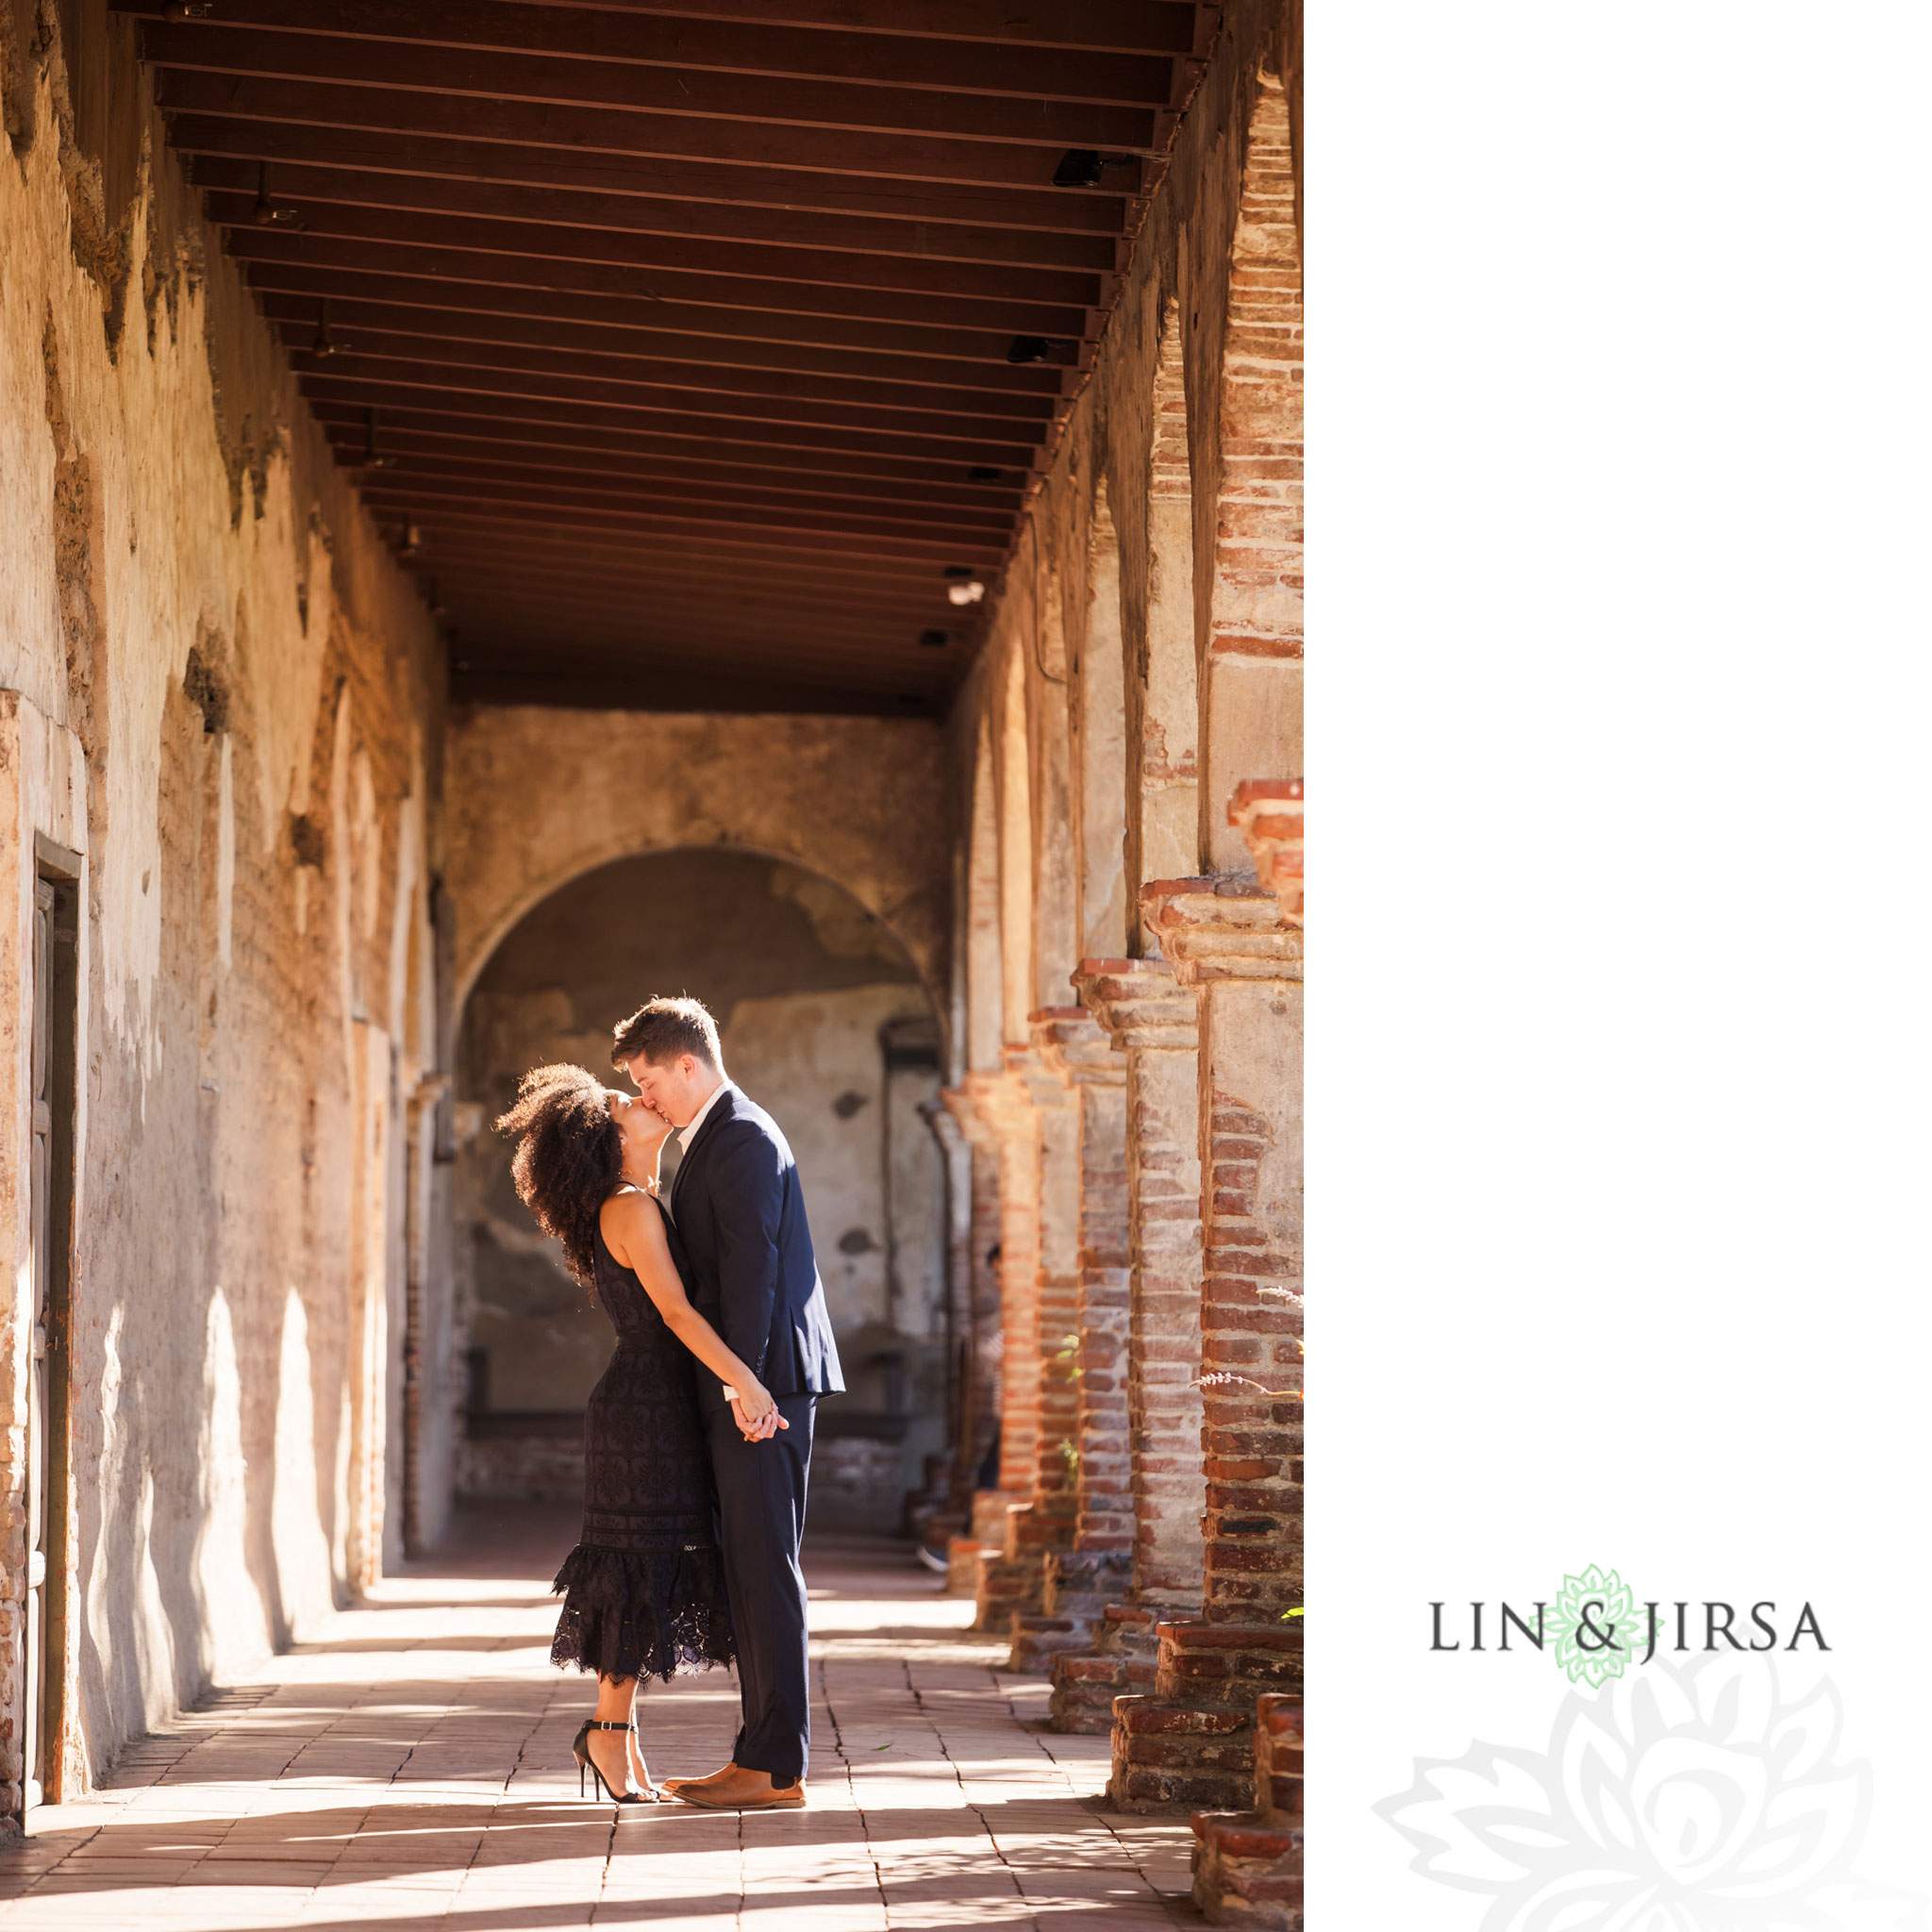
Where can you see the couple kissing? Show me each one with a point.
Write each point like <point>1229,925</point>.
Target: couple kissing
<point>697,1440</point>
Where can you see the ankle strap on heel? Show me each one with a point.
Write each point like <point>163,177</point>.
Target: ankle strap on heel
<point>608,1724</point>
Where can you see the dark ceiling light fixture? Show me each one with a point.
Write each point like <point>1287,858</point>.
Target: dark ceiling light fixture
<point>1082,167</point>
<point>186,10</point>
<point>269,212</point>
<point>325,343</point>
<point>984,472</point>
<point>935,640</point>
<point>372,459</point>
<point>957,570</point>
<point>1027,349</point>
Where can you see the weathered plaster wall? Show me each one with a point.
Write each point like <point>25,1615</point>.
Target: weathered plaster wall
<point>537,796</point>
<point>218,688</point>
<point>824,1022</point>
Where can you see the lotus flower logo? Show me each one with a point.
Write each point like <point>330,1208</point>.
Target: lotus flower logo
<point>1598,1630</point>
<point>1688,1799</point>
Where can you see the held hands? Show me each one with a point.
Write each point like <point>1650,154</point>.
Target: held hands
<point>755,1412</point>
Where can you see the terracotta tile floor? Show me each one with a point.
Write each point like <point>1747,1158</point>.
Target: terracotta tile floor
<point>414,1770</point>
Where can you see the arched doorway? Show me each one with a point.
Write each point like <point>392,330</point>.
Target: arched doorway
<point>825,1023</point>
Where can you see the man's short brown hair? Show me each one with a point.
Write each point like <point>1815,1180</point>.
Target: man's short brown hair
<point>662,1029</point>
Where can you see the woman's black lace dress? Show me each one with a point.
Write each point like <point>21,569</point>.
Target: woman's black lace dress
<point>644,1587</point>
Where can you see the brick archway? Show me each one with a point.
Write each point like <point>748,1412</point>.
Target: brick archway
<point>538,797</point>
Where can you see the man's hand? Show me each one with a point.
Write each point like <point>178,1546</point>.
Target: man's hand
<point>758,1431</point>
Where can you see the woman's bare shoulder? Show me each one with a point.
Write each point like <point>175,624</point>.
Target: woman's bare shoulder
<point>629,1219</point>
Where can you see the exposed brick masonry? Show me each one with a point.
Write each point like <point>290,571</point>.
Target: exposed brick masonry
<point>1080,1581</point>
<point>1151,1023</point>
<point>1190,1742</point>
<point>1268,814</point>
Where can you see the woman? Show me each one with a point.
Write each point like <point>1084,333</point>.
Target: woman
<point>644,1587</point>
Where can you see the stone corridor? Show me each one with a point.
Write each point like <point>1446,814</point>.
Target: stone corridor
<point>412,1768</point>
<point>515,510</point>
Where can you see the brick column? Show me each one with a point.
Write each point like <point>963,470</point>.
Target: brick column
<point>972,1327</point>
<point>1192,1741</point>
<point>1150,1022</point>
<point>1080,1580</point>
<point>1034,1124</point>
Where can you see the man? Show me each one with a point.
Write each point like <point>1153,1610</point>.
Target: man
<point>741,1214</point>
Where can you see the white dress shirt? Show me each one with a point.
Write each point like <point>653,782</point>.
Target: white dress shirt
<point>686,1135</point>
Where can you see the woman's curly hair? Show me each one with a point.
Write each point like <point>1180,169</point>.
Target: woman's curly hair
<point>569,1159</point>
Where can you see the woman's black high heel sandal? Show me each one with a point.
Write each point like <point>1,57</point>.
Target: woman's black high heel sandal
<point>586,1762</point>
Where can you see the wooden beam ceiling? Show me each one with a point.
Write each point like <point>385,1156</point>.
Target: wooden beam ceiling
<point>690,357</point>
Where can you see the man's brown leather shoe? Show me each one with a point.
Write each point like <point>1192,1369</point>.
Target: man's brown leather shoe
<point>711,1777</point>
<point>740,1790</point>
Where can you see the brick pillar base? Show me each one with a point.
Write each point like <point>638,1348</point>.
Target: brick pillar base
<point>1080,1587</point>
<point>1192,1743</point>
<point>985,1535</point>
<point>1120,1662</point>
<point>1013,1584</point>
<point>1248,1864</point>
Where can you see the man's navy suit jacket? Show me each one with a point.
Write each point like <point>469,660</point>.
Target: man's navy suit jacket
<point>741,1220</point>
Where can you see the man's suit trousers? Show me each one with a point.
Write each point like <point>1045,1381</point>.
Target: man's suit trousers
<point>761,1516</point>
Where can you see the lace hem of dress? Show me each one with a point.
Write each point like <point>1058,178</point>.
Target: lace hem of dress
<point>641,1614</point>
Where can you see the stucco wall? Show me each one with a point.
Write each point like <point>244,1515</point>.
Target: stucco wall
<point>537,796</point>
<point>215,687</point>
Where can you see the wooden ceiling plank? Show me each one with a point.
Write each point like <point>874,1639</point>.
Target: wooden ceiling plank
<point>770,536</point>
<point>643,692</point>
<point>568,445</point>
<point>624,315</point>
<point>411,448</point>
<point>460,588</point>
<point>568,278</point>
<point>574,130</point>
<point>458,582</point>
<point>485,408</point>
<point>666,254</point>
<point>592,210</point>
<point>751,502</point>
<point>776,646</point>
<point>423,502</point>
<point>879,626</point>
<point>1056,212</point>
<point>688,557</point>
<point>355,323</point>
<point>1145,26</point>
<point>375,380</point>
<point>693,43</point>
<point>696,380</point>
<point>205,47</point>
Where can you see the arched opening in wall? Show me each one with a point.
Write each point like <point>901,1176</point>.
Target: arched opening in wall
<point>1017,897</point>
<point>826,1024</point>
<point>982,950</point>
<point>1163,711</point>
<point>1251,713</point>
<point>1100,747</point>
<point>1056,860</point>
